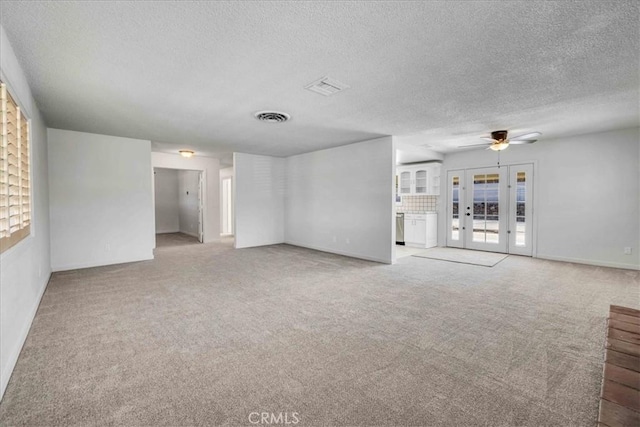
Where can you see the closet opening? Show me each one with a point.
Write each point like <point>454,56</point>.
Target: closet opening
<point>178,206</point>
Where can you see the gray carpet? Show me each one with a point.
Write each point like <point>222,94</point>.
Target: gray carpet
<point>463,256</point>
<point>175,239</point>
<point>207,335</point>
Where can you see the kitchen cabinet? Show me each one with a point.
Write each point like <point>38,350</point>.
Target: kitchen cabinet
<point>405,182</point>
<point>419,180</point>
<point>420,230</point>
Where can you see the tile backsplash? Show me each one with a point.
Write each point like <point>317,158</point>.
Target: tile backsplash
<point>418,204</point>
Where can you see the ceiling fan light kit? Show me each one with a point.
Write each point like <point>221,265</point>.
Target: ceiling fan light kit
<point>499,146</point>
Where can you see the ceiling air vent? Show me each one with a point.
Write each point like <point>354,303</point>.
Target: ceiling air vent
<point>272,116</point>
<point>326,86</point>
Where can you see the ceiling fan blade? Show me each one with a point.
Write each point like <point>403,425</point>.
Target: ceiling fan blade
<point>486,138</point>
<point>522,141</point>
<point>525,136</point>
<point>474,145</point>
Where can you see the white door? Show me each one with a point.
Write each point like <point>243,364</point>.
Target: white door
<point>485,209</point>
<point>491,209</point>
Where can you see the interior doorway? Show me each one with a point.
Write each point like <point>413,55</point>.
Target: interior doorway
<point>179,207</point>
<point>491,209</point>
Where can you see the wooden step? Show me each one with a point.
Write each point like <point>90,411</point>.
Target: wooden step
<point>624,336</point>
<point>624,360</point>
<point>624,310</point>
<point>624,318</point>
<point>623,346</point>
<point>624,326</point>
<point>620,394</point>
<point>614,415</point>
<point>622,376</point>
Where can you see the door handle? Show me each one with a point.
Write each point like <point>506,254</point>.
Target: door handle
<point>468,214</point>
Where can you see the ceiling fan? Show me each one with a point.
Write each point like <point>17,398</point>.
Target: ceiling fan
<point>499,140</point>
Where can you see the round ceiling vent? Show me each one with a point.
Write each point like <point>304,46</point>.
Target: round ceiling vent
<point>272,116</point>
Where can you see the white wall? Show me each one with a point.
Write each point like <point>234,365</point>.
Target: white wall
<point>166,200</point>
<point>101,203</point>
<point>211,187</point>
<point>188,202</point>
<point>586,195</point>
<point>226,173</point>
<point>259,187</point>
<point>25,268</point>
<point>340,200</point>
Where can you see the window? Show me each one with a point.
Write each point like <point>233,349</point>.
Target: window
<point>15,185</point>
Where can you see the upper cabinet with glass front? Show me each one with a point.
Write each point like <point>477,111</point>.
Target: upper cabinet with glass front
<point>420,179</point>
<point>405,182</point>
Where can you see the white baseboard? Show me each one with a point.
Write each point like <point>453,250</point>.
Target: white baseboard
<point>167,231</point>
<point>338,252</point>
<point>24,332</point>
<point>589,262</point>
<point>101,263</point>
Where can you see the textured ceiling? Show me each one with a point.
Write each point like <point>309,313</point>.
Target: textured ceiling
<point>190,74</point>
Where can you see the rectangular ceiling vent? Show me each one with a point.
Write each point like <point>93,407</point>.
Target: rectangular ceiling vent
<point>326,86</point>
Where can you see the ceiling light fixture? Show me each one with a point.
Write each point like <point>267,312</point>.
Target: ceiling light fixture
<point>499,146</point>
<point>186,153</point>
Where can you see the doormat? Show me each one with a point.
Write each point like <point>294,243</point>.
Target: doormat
<point>463,256</point>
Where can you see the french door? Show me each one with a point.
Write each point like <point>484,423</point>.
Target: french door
<point>490,209</point>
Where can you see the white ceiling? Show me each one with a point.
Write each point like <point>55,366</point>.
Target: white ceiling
<point>441,74</point>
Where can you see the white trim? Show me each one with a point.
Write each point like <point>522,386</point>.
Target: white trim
<point>13,357</point>
<point>589,262</point>
<point>168,231</point>
<point>101,263</point>
<point>336,252</point>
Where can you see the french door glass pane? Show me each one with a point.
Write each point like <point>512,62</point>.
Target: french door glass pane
<point>455,208</point>
<point>521,220</point>
<point>486,209</point>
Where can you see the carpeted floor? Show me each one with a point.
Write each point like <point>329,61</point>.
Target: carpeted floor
<point>463,256</point>
<point>175,239</point>
<point>209,335</point>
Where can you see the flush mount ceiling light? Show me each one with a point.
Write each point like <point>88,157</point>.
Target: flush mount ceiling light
<point>272,116</point>
<point>186,153</point>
